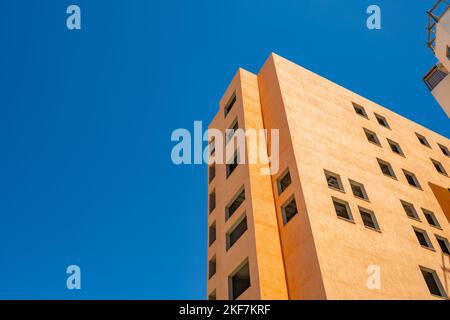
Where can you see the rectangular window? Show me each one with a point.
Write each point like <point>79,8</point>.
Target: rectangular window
<point>423,238</point>
<point>372,137</point>
<point>439,167</point>
<point>284,182</point>
<point>239,281</point>
<point>212,233</point>
<point>212,295</point>
<point>342,209</point>
<point>411,178</point>
<point>212,172</point>
<point>289,210</point>
<point>410,210</point>
<point>230,104</point>
<point>235,204</point>
<point>433,283</point>
<point>360,110</point>
<point>395,147</point>
<point>212,201</point>
<point>443,243</point>
<point>431,218</point>
<point>212,267</point>
<point>236,232</point>
<point>423,140</point>
<point>212,147</point>
<point>232,130</point>
<point>369,219</point>
<point>358,190</point>
<point>386,168</point>
<point>232,164</point>
<point>334,180</point>
<point>448,52</point>
<point>444,150</point>
<point>382,121</point>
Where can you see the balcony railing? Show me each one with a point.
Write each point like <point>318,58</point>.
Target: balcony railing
<point>434,15</point>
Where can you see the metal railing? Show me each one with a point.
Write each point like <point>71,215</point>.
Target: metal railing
<point>434,15</point>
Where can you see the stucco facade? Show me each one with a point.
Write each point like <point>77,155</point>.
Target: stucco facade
<point>316,254</point>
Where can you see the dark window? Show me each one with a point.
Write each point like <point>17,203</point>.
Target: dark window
<point>439,167</point>
<point>212,267</point>
<point>423,140</point>
<point>433,282</point>
<point>289,210</point>
<point>231,209</point>
<point>334,181</point>
<point>410,210</point>
<point>423,238</point>
<point>369,219</point>
<point>342,209</point>
<point>212,172</point>
<point>212,147</point>
<point>386,168</point>
<point>411,178</point>
<point>372,137</point>
<point>230,104</point>
<point>444,150</point>
<point>395,147</point>
<point>358,190</point>
<point>284,182</point>
<point>431,218</point>
<point>448,52</point>
<point>360,110</point>
<point>232,164</point>
<point>212,201</point>
<point>236,232</point>
<point>443,243</point>
<point>212,295</point>
<point>212,233</point>
<point>239,282</point>
<point>382,120</point>
<point>232,130</point>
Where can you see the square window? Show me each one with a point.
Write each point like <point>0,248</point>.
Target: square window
<point>431,218</point>
<point>284,182</point>
<point>411,178</point>
<point>334,180</point>
<point>342,209</point>
<point>382,121</point>
<point>369,219</point>
<point>232,164</point>
<point>395,147</point>
<point>239,281</point>
<point>358,190</point>
<point>289,210</point>
<point>433,283</point>
<point>423,238</point>
<point>444,150</point>
<point>230,104</point>
<point>360,110</point>
<point>235,204</point>
<point>372,137</point>
<point>212,201</point>
<point>386,168</point>
<point>439,167</point>
<point>212,295</point>
<point>443,243</point>
<point>236,232</point>
<point>410,210</point>
<point>212,172</point>
<point>212,267</point>
<point>212,233</point>
<point>423,140</point>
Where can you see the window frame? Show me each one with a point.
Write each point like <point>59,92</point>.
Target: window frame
<point>283,209</point>
<point>241,266</point>
<point>368,132</point>
<point>230,104</point>
<point>383,119</point>
<point>233,199</point>
<point>361,186</point>
<point>431,214</point>
<point>212,226</point>
<point>347,205</point>
<point>439,167</point>
<point>357,107</point>
<point>280,178</point>
<point>414,177</point>
<point>416,214</point>
<point>228,244</point>
<point>212,193</point>
<point>391,169</point>
<point>437,281</point>
<point>373,217</point>
<point>396,145</point>
<point>338,179</point>
<point>446,243</point>
<point>423,140</point>
<point>426,237</point>
<point>444,150</point>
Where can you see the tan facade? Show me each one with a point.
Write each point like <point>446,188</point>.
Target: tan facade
<point>314,252</point>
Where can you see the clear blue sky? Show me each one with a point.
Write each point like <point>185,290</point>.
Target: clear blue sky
<point>86,117</point>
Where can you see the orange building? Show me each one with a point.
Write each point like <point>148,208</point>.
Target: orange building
<point>360,206</point>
